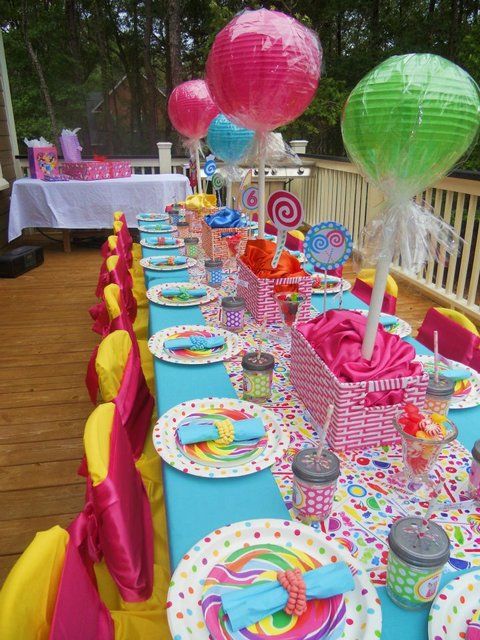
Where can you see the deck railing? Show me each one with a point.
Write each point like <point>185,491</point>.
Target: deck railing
<point>333,189</point>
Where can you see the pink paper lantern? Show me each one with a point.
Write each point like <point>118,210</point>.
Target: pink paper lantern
<point>191,109</point>
<point>263,69</point>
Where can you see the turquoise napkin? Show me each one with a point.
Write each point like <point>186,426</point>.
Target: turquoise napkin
<point>388,321</point>
<point>195,343</point>
<point>253,603</point>
<point>456,374</point>
<point>180,291</point>
<point>166,259</point>
<point>157,226</point>
<point>168,240</point>
<point>203,430</point>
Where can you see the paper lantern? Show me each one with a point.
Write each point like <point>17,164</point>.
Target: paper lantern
<point>409,120</point>
<point>263,69</point>
<point>191,109</point>
<point>227,141</point>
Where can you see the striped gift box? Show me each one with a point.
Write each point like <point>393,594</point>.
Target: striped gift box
<point>353,424</point>
<point>259,294</point>
<point>214,240</point>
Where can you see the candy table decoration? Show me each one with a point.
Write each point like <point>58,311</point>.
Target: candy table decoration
<point>191,109</point>
<point>233,313</point>
<point>286,212</point>
<point>405,125</point>
<point>263,70</point>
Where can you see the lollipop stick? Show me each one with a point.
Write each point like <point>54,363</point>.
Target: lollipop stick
<point>261,191</point>
<point>323,435</point>
<point>435,356</point>
<point>376,301</point>
<point>228,202</point>
<point>281,239</point>
<point>197,163</point>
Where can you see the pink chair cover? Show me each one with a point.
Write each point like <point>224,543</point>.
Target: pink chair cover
<point>364,291</point>
<point>454,341</point>
<point>119,509</point>
<point>79,613</point>
<point>134,402</point>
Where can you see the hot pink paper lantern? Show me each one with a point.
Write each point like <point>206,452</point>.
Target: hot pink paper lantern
<point>263,69</point>
<point>191,109</point>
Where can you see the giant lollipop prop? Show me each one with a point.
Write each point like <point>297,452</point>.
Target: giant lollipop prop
<point>405,125</point>
<point>263,70</point>
<point>191,109</point>
<point>286,212</point>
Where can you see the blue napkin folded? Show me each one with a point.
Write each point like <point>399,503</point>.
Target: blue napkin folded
<point>167,259</point>
<point>203,430</point>
<point>456,374</point>
<point>251,604</point>
<point>225,218</point>
<point>388,321</point>
<point>180,291</point>
<point>157,226</point>
<point>195,343</point>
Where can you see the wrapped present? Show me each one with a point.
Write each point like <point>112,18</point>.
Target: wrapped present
<point>87,170</point>
<point>71,149</point>
<point>42,158</point>
<point>327,369</point>
<point>258,282</point>
<point>120,168</point>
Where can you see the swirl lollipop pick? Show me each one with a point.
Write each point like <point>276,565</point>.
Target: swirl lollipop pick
<point>218,182</point>
<point>286,212</point>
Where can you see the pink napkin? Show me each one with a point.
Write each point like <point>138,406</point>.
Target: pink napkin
<point>337,338</point>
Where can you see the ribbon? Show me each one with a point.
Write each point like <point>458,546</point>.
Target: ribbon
<point>225,219</point>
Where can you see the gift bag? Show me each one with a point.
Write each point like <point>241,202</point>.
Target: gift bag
<point>71,149</point>
<point>42,158</point>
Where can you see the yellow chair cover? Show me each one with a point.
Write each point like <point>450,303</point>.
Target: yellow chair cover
<point>200,201</point>
<point>112,242</point>
<point>117,215</point>
<point>297,234</point>
<point>28,596</point>
<point>368,276</point>
<point>136,251</point>
<point>459,318</point>
<point>96,440</point>
<point>110,363</point>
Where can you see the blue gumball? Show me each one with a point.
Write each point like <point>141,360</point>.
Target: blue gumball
<point>227,141</point>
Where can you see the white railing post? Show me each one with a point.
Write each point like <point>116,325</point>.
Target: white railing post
<point>165,156</point>
<point>299,146</point>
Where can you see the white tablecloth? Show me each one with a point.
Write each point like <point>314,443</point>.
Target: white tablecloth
<point>78,204</point>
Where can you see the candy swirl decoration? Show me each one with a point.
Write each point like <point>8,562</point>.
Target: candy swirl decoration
<point>263,69</point>
<point>221,455</point>
<point>286,212</point>
<point>210,166</point>
<point>191,109</point>
<point>250,198</point>
<point>248,565</point>
<point>328,245</point>
<point>218,181</point>
<point>228,141</point>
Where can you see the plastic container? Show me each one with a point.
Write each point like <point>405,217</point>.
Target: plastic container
<point>233,313</point>
<point>214,273</point>
<point>191,247</point>
<point>183,229</point>
<point>257,376</point>
<point>415,564</point>
<point>314,484</point>
<point>439,395</point>
<point>474,477</point>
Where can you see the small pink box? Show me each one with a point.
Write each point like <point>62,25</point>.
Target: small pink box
<point>87,170</point>
<point>43,161</point>
<point>259,294</point>
<point>353,424</point>
<point>214,240</point>
<point>120,168</point>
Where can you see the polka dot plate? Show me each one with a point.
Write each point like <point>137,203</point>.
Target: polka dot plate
<point>467,392</point>
<point>230,348</point>
<point>152,217</point>
<point>282,544</point>
<point>154,294</point>
<point>453,608</point>
<point>400,328</point>
<point>149,263</point>
<point>209,459</point>
<point>334,286</point>
<point>150,245</point>
<point>157,227</point>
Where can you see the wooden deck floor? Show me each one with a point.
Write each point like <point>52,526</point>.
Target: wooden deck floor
<point>46,345</point>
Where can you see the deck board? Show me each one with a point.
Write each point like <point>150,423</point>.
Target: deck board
<point>47,341</point>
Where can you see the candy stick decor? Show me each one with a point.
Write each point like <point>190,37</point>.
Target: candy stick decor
<point>432,506</point>
<point>323,435</point>
<point>286,212</point>
<point>435,356</point>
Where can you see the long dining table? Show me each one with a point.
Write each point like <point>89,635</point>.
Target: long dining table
<point>196,506</point>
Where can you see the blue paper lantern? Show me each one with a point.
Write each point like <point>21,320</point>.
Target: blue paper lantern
<point>227,141</point>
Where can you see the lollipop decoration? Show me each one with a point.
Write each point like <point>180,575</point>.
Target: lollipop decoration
<point>405,125</point>
<point>250,199</point>
<point>286,212</point>
<point>191,109</point>
<point>263,70</point>
<point>210,166</point>
<point>218,182</point>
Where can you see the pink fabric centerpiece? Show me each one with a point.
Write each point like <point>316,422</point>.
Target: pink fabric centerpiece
<point>336,336</point>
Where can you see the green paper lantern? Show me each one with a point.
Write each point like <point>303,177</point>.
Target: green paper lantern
<point>409,121</point>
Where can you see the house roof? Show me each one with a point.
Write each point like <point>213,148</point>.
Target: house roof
<point>121,81</point>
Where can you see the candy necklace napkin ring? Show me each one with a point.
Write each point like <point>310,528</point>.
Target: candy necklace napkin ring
<point>171,260</point>
<point>294,584</point>
<point>226,432</point>
<point>184,294</point>
<point>199,343</point>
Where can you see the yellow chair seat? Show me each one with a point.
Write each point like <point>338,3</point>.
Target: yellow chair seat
<point>136,251</point>
<point>147,365</point>
<point>459,318</point>
<point>140,326</point>
<point>368,276</point>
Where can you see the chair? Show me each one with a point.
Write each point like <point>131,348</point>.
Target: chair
<point>458,337</point>
<point>117,505</point>
<point>363,288</point>
<point>115,370</point>
<point>49,594</point>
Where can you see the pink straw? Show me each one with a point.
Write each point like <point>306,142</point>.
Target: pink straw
<point>432,506</point>
<point>326,426</point>
<point>435,356</point>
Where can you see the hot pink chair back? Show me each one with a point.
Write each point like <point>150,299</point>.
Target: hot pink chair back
<point>79,613</point>
<point>120,276</point>
<point>120,520</point>
<point>454,341</point>
<point>363,291</point>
